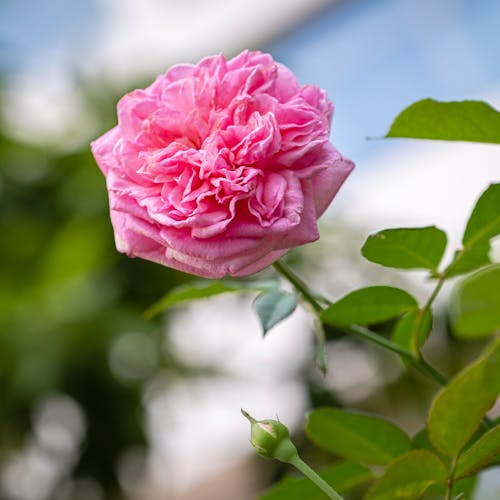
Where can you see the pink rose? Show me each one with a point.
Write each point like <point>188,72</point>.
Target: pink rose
<point>220,167</point>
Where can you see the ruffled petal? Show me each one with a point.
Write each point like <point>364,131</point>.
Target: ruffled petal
<point>220,167</point>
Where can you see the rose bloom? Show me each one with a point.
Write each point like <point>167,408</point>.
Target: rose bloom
<point>219,168</point>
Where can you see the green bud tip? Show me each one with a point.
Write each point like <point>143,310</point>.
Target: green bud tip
<point>271,439</point>
<point>248,416</point>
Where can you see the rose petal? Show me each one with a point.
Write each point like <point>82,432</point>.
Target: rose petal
<point>220,167</point>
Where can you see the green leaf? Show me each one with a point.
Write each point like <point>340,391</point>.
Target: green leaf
<point>474,121</point>
<point>341,477</point>
<point>202,290</point>
<point>491,377</point>
<point>356,436</point>
<point>469,259</point>
<point>482,226</point>
<point>274,306</point>
<point>482,453</point>
<point>484,222</point>
<point>412,329</point>
<point>476,304</point>
<point>369,305</point>
<point>458,408</point>
<point>407,248</point>
<point>421,441</point>
<point>408,477</point>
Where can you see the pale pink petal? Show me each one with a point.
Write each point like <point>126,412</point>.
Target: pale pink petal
<point>102,149</point>
<point>327,183</point>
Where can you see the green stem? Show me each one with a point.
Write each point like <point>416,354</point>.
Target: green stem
<point>419,363</point>
<point>298,284</point>
<point>429,370</point>
<point>321,356</point>
<point>486,422</point>
<point>367,334</point>
<point>437,289</point>
<point>450,480</point>
<point>414,339</point>
<point>305,293</point>
<point>314,477</point>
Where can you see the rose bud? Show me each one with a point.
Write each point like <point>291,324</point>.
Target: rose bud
<point>271,439</point>
<point>220,167</point>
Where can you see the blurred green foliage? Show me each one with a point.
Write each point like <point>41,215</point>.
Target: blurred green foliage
<point>65,296</point>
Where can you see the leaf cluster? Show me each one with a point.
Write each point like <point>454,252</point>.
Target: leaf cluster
<point>458,439</point>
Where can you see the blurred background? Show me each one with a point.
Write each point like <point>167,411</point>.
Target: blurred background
<point>98,403</point>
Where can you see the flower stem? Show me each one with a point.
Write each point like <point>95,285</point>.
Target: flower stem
<point>298,284</point>
<point>314,477</point>
<point>305,293</point>
<point>367,334</point>
<point>427,369</point>
<point>437,289</point>
<point>417,362</point>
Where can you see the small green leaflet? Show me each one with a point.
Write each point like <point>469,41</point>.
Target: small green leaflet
<point>482,226</point>
<point>408,477</point>
<point>202,290</point>
<point>341,477</point>
<point>356,436</point>
<point>476,304</point>
<point>369,305</point>
<point>407,248</point>
<point>483,452</point>
<point>458,408</point>
<point>421,441</point>
<point>484,222</point>
<point>274,306</point>
<point>469,259</point>
<point>474,121</point>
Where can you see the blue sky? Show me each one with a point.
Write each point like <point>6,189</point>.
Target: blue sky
<point>376,57</point>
